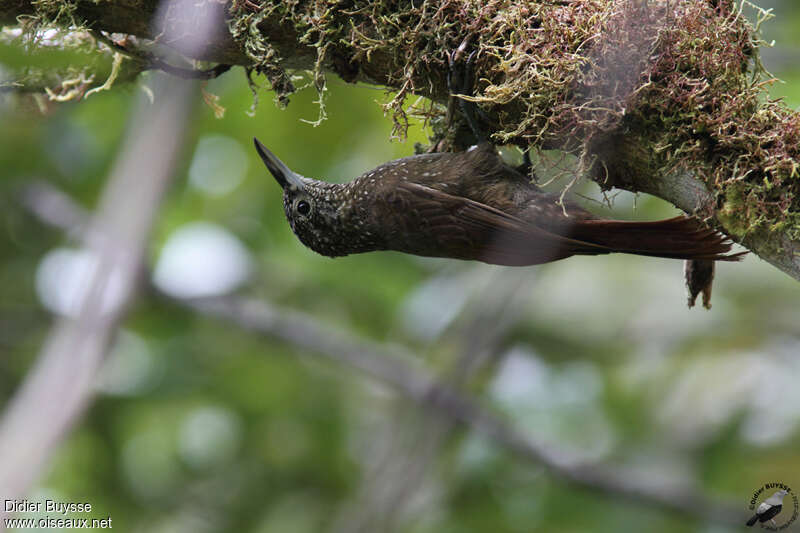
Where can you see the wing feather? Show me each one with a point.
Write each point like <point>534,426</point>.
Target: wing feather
<point>443,225</point>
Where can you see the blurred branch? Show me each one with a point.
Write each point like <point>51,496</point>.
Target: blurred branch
<point>401,456</point>
<point>400,369</point>
<point>392,367</point>
<point>135,17</point>
<point>59,387</point>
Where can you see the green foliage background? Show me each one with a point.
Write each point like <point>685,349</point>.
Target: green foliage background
<point>224,431</point>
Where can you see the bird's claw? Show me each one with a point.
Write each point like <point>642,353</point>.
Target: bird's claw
<point>460,81</point>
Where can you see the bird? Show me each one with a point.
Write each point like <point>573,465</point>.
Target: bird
<point>470,205</point>
<point>769,508</point>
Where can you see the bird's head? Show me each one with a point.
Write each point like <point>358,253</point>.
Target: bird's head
<point>312,207</point>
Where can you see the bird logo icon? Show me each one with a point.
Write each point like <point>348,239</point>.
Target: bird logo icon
<point>768,510</point>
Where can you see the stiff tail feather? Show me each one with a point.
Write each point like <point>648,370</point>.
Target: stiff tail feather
<point>675,238</point>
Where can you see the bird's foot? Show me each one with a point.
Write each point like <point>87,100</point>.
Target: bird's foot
<point>460,82</point>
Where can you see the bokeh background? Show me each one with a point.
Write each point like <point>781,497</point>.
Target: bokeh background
<point>199,425</point>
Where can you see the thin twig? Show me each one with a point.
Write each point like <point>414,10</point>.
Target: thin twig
<point>187,73</point>
<point>150,61</point>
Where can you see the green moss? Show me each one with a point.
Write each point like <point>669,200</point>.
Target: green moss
<point>734,213</point>
<point>684,78</point>
<point>57,58</point>
<point>679,80</point>
<point>244,27</point>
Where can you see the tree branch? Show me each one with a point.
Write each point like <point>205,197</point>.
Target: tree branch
<point>662,96</point>
<point>396,367</point>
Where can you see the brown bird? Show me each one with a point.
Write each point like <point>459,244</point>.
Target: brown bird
<point>470,205</point>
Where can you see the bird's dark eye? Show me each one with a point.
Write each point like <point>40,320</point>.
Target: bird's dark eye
<point>303,207</point>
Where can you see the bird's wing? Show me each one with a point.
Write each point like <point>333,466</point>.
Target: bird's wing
<point>763,507</point>
<point>458,227</point>
<point>772,512</point>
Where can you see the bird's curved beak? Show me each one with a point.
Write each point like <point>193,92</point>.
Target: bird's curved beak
<point>282,174</point>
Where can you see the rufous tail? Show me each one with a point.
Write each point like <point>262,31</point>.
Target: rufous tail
<point>676,238</point>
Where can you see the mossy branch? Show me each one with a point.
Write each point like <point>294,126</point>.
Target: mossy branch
<point>661,96</point>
